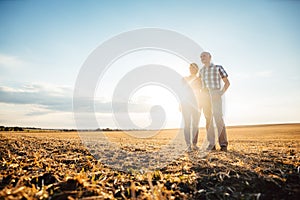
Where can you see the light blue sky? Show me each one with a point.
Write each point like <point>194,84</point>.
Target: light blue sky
<point>44,43</point>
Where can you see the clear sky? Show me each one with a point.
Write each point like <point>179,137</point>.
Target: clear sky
<point>43,45</point>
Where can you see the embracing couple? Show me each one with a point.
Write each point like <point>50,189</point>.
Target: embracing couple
<point>205,94</point>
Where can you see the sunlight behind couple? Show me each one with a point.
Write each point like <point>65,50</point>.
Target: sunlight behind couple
<point>144,97</point>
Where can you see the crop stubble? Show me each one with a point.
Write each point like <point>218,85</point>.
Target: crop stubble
<point>262,162</point>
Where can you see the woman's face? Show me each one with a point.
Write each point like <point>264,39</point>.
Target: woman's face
<point>193,70</point>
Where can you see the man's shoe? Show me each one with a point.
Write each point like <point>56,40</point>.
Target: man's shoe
<point>209,148</point>
<point>224,149</point>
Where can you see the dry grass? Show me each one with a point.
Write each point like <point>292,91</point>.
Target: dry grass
<point>262,162</point>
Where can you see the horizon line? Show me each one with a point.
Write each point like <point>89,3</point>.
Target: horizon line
<point>129,129</point>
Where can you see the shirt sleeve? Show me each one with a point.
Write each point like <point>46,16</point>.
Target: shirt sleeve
<point>222,72</point>
<point>200,73</point>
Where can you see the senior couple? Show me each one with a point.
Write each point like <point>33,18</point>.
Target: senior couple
<point>205,95</point>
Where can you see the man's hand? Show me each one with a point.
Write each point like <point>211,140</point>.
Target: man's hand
<point>226,85</point>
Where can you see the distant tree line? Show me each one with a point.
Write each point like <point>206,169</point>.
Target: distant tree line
<point>16,128</point>
<point>107,129</point>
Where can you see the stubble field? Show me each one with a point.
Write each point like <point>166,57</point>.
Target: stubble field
<point>262,162</point>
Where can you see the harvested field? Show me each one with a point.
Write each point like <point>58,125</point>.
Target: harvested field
<point>262,162</point>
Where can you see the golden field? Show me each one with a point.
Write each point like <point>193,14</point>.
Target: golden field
<point>262,162</point>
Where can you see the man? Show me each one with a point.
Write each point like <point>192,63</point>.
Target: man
<point>211,76</point>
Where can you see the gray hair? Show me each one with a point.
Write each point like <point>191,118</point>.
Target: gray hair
<point>206,52</point>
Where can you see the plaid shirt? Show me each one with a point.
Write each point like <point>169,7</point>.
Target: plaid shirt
<point>211,76</point>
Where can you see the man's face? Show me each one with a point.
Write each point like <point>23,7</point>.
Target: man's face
<point>205,58</point>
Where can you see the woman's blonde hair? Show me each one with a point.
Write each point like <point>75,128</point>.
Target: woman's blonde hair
<point>194,65</point>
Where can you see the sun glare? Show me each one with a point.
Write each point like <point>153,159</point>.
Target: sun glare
<point>145,96</point>
<point>154,95</point>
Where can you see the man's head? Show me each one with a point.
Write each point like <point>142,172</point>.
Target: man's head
<point>193,68</point>
<point>205,58</point>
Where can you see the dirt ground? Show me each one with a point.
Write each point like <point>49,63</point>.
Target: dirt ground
<point>262,162</point>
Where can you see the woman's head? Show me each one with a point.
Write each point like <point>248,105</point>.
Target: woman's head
<point>194,68</point>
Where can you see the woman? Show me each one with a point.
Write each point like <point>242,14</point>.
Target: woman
<point>190,107</point>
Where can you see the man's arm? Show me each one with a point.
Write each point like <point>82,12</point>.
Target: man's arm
<point>224,76</point>
<point>226,84</point>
